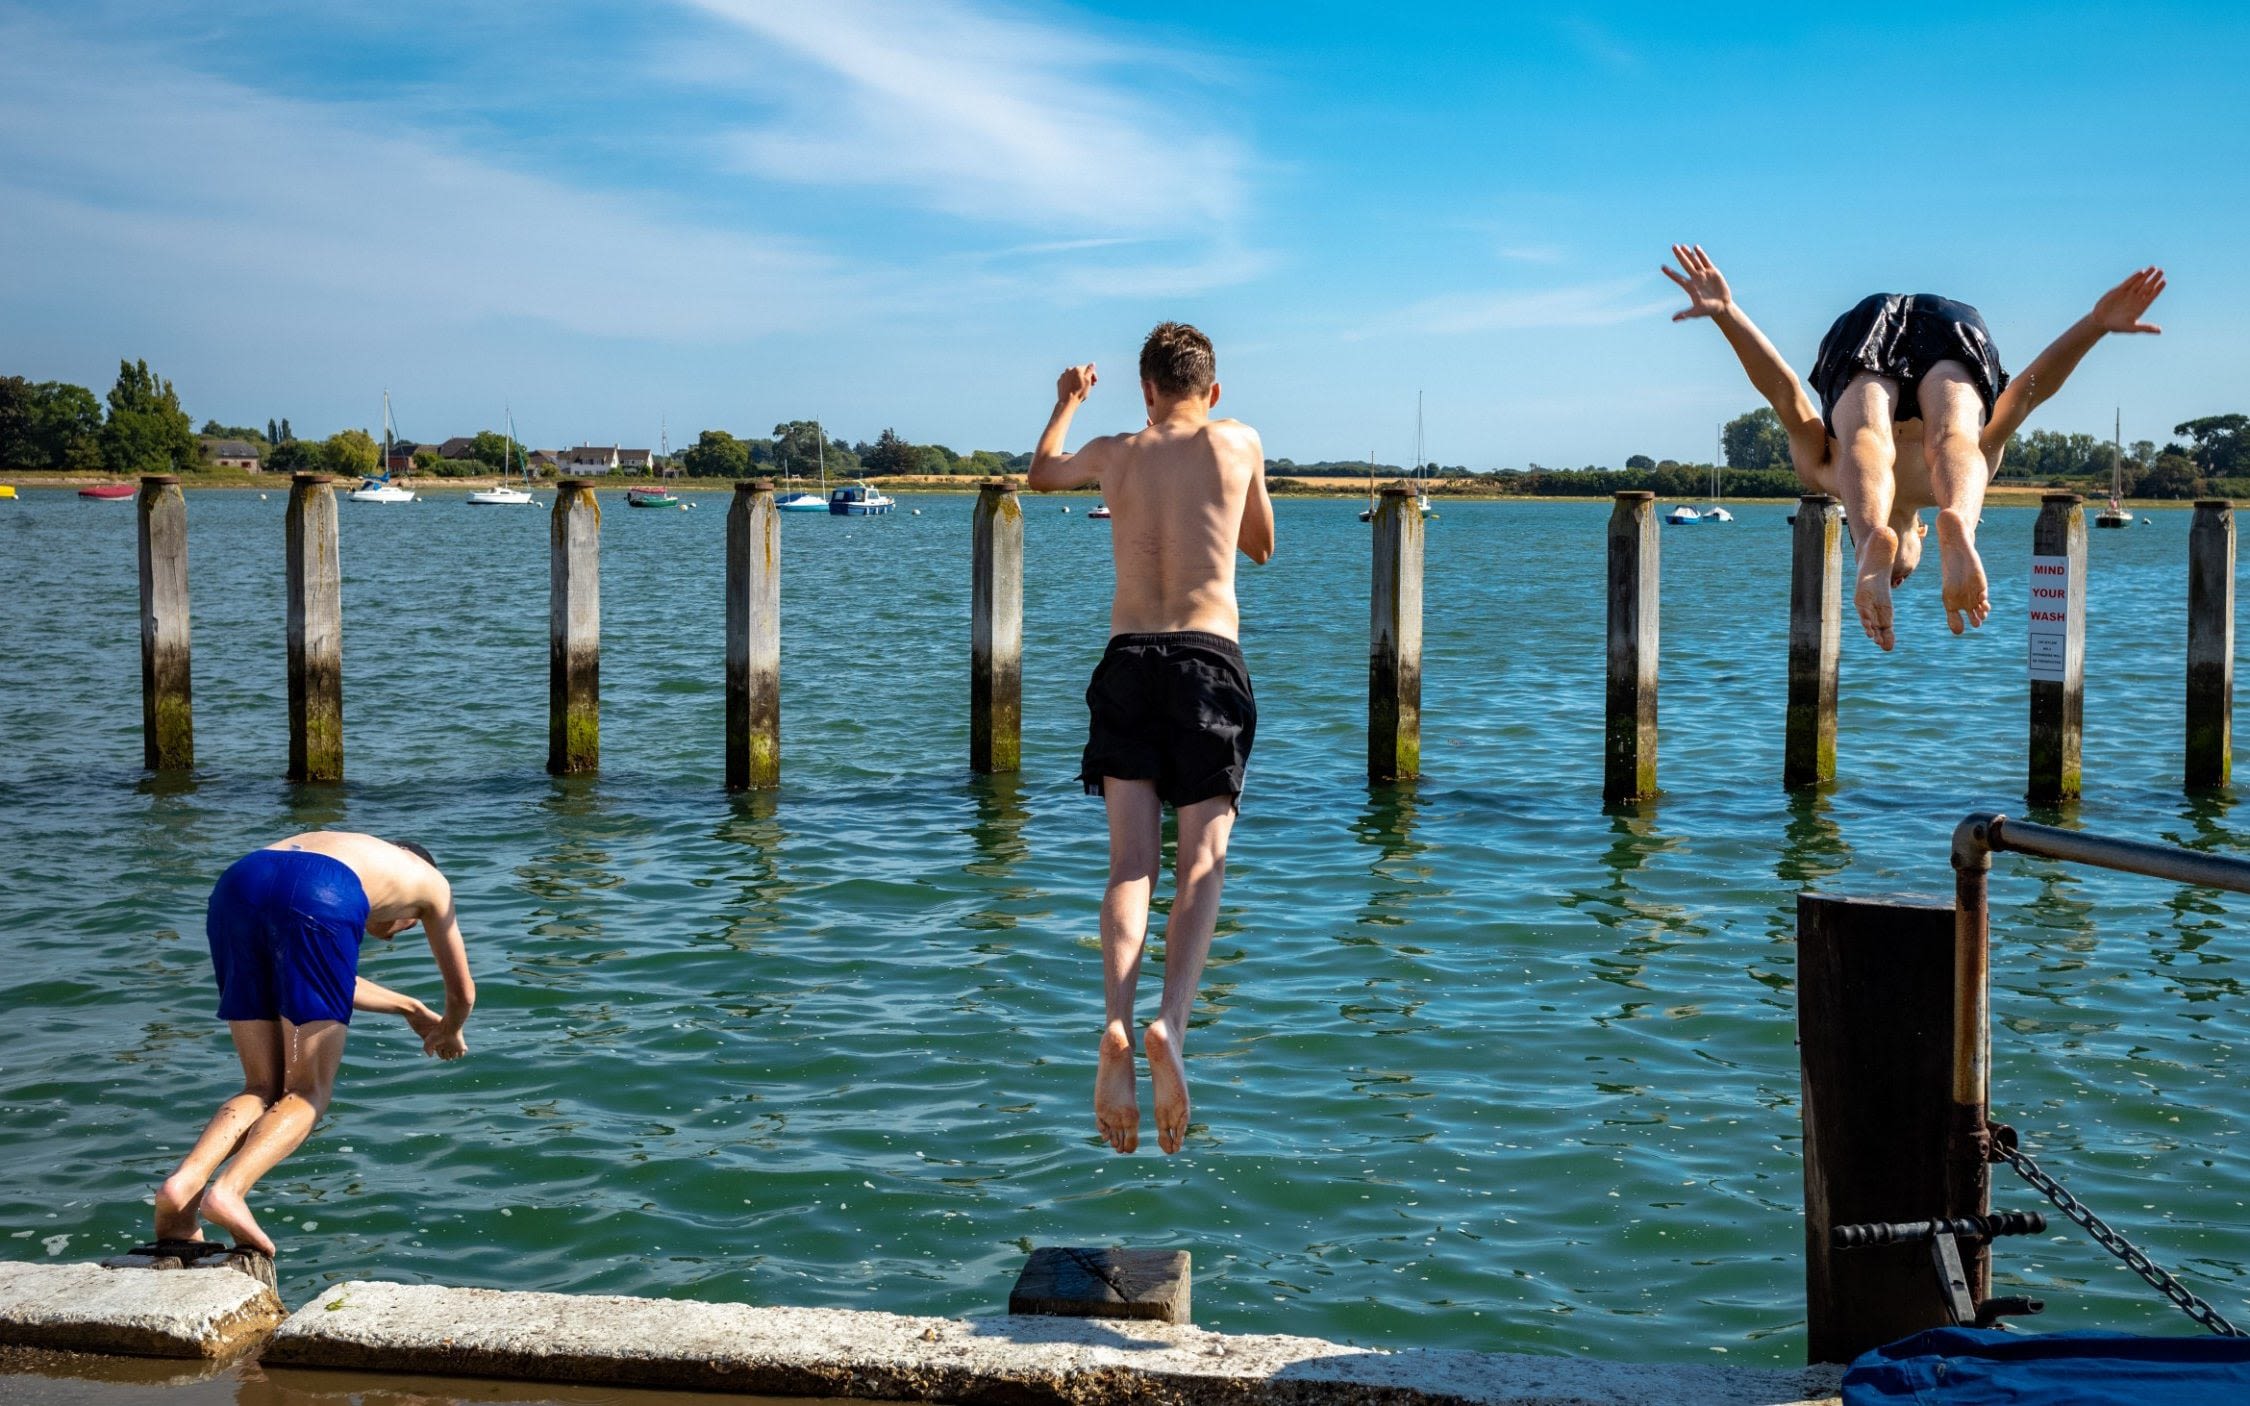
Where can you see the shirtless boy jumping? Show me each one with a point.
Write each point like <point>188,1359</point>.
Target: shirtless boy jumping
<point>1173,716</point>
<point>284,926</point>
<point>1916,412</point>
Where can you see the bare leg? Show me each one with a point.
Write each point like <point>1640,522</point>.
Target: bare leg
<point>1911,530</point>
<point>1136,847</point>
<point>313,1050</point>
<point>1866,460</point>
<point>1953,425</point>
<point>1199,874</point>
<point>257,1043</point>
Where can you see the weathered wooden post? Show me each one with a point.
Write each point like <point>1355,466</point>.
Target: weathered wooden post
<point>1629,750</point>
<point>996,630</point>
<point>1394,643</point>
<point>2210,657</point>
<point>574,630</point>
<point>316,632</point>
<point>1875,1017</point>
<point>2058,648</point>
<point>167,714</point>
<point>1816,614</point>
<point>753,639</point>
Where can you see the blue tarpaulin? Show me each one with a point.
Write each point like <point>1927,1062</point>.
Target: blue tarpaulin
<point>1987,1367</point>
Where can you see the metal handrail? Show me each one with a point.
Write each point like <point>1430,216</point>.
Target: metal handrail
<point>1975,840</point>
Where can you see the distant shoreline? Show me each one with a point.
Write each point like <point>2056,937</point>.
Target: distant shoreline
<point>2012,495</point>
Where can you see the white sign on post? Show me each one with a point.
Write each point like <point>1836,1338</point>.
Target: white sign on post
<point>2050,617</point>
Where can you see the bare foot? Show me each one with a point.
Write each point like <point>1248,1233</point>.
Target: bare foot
<point>1965,589</point>
<point>231,1214</point>
<point>1167,1076</point>
<point>1873,596</point>
<point>1116,1111</point>
<point>177,1208</point>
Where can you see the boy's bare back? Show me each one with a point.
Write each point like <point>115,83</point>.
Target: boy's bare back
<point>1177,496</point>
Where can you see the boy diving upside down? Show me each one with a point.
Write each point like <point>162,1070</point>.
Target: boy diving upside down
<point>1173,715</point>
<point>284,926</point>
<point>1916,413</point>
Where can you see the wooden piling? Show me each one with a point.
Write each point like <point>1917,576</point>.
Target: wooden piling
<point>316,632</point>
<point>167,712</point>
<point>2058,648</point>
<point>1816,614</point>
<point>1875,1011</point>
<point>1629,751</point>
<point>574,630</point>
<point>1394,643</point>
<point>2210,656</point>
<point>996,630</point>
<point>753,638</point>
<point>1149,1285</point>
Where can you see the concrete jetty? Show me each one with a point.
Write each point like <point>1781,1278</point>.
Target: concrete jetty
<point>210,1312</point>
<point>880,1356</point>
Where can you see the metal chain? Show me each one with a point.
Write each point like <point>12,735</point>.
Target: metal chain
<point>2157,1279</point>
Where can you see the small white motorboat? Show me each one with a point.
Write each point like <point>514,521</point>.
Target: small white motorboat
<point>802,503</point>
<point>501,497</point>
<point>379,490</point>
<point>1100,510</point>
<point>1682,515</point>
<point>859,500</point>
<point>1714,513</point>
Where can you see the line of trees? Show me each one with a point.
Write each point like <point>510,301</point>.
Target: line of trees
<point>798,448</point>
<point>142,429</point>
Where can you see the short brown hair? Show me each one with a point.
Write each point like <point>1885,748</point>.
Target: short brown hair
<point>1177,359</point>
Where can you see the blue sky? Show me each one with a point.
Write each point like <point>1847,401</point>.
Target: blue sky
<point>913,212</point>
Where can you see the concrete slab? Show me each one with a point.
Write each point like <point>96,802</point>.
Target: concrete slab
<point>881,1356</point>
<point>213,1312</point>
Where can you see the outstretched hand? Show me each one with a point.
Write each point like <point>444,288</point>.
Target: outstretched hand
<point>444,1042</point>
<point>1076,382</point>
<point>2122,308</point>
<point>1706,287</point>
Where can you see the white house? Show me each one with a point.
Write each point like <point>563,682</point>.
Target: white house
<point>604,459</point>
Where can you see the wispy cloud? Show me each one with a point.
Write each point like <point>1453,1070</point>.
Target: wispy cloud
<point>988,115</point>
<point>1602,304</point>
<point>119,168</point>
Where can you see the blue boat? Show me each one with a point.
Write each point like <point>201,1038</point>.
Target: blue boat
<point>858,500</point>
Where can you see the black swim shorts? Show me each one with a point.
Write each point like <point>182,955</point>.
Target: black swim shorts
<point>1901,336</point>
<point>1175,709</point>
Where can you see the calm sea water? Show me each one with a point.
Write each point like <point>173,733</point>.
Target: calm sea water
<point>1476,1064</point>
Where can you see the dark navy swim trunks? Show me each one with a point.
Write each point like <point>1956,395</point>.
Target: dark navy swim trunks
<point>1901,336</point>
<point>1175,709</point>
<point>284,927</point>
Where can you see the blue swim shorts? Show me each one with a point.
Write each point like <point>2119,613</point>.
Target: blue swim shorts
<point>284,927</point>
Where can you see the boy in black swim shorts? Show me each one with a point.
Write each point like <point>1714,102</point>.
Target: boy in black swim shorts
<point>1173,715</point>
<point>1916,412</point>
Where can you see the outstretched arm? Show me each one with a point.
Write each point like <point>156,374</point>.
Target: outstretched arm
<point>1709,296</point>
<point>2119,310</point>
<point>1052,467</point>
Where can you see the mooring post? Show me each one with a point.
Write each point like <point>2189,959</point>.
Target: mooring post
<point>2058,648</point>
<point>574,630</point>
<point>167,715</point>
<point>2210,656</point>
<point>996,630</point>
<point>1875,1013</point>
<point>1629,752</point>
<point>753,639</point>
<point>316,632</point>
<point>1816,615</point>
<point>1151,1285</point>
<point>1394,643</point>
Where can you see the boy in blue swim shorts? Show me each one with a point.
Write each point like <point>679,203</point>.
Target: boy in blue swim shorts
<point>284,926</point>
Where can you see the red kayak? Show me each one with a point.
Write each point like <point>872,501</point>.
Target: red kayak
<point>107,490</point>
